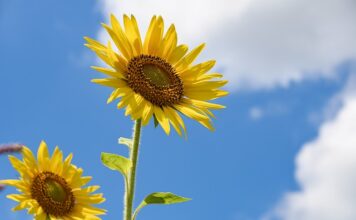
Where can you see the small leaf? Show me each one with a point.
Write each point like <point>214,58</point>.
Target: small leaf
<point>126,141</point>
<point>165,198</point>
<point>116,162</point>
<point>155,121</point>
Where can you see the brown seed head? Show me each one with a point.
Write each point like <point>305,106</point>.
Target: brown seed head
<point>155,79</point>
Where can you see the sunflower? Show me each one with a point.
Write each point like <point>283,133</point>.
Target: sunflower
<point>52,188</point>
<point>155,77</point>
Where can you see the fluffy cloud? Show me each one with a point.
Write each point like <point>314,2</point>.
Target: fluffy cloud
<point>325,171</point>
<point>259,44</point>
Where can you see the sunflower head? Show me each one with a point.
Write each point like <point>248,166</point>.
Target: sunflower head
<point>156,77</point>
<point>51,187</point>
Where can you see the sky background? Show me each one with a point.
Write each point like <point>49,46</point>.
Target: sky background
<point>283,149</point>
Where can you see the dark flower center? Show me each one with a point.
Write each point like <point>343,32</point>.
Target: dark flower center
<point>155,79</point>
<point>53,194</point>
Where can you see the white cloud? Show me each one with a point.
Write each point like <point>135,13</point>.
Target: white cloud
<point>259,44</point>
<point>255,113</point>
<point>325,170</point>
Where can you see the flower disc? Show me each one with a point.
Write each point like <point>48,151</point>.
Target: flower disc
<point>155,79</point>
<point>53,194</point>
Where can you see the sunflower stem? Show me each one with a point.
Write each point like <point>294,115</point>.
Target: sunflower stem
<point>130,188</point>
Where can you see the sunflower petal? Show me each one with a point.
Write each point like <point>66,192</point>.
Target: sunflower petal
<point>177,54</point>
<point>149,35</point>
<point>163,121</point>
<point>189,58</point>
<point>110,82</point>
<point>133,34</point>
<point>109,72</point>
<point>169,42</point>
<point>173,120</point>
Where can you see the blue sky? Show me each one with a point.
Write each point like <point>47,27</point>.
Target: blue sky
<point>244,170</point>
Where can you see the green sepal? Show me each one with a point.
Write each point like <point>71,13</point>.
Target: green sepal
<point>155,121</point>
<point>116,162</point>
<point>160,198</point>
<point>126,141</point>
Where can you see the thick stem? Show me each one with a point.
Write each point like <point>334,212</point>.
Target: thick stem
<point>130,189</point>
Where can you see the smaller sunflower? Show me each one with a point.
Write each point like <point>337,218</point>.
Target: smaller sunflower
<point>52,188</point>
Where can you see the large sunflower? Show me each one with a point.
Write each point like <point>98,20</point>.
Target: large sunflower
<point>156,77</point>
<point>52,188</point>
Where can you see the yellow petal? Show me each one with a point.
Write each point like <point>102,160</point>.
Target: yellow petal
<point>18,165</point>
<point>29,159</point>
<point>91,199</point>
<point>163,121</point>
<point>169,42</point>
<point>109,72</point>
<point>204,95</point>
<point>175,115</point>
<point>137,106</point>
<point>56,162</point>
<point>209,76</point>
<point>17,197</point>
<point>147,113</point>
<point>197,70</point>
<point>110,82</point>
<point>207,124</point>
<point>177,54</point>
<point>95,43</point>
<point>202,104</point>
<point>43,156</point>
<point>190,112</point>
<point>149,35</point>
<point>124,43</point>
<point>119,38</point>
<point>102,54</point>
<point>21,185</point>
<point>133,34</point>
<point>125,101</point>
<point>155,40</point>
<point>134,103</point>
<point>205,85</point>
<point>41,215</point>
<point>119,92</point>
<point>86,179</point>
<point>189,58</point>
<point>94,211</point>
<point>22,205</point>
<point>196,114</point>
<point>173,120</point>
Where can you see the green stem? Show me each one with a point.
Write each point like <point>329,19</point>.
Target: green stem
<point>130,189</point>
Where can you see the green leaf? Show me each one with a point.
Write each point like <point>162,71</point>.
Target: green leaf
<point>126,141</point>
<point>155,121</point>
<point>162,198</point>
<point>116,162</point>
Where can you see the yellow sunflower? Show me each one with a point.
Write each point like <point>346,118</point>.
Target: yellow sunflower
<point>52,188</point>
<point>155,76</point>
